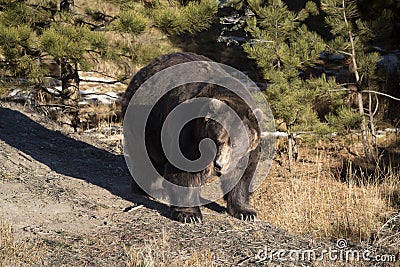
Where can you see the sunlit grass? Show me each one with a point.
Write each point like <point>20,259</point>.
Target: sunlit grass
<point>314,200</point>
<point>14,252</point>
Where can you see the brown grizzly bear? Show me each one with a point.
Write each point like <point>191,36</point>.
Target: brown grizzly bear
<point>194,132</point>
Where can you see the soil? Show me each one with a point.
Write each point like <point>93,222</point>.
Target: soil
<point>71,193</point>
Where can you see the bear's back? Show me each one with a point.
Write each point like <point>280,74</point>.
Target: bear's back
<point>155,66</point>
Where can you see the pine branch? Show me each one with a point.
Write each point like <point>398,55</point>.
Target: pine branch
<point>52,10</point>
<point>98,27</point>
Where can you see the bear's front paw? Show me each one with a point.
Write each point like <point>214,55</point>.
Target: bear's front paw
<point>243,213</point>
<point>186,215</point>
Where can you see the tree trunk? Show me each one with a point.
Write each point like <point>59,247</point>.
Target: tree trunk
<point>372,123</point>
<point>70,79</point>
<point>364,136</point>
<point>292,152</point>
<point>70,92</point>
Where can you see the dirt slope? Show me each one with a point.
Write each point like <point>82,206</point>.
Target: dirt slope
<point>68,192</point>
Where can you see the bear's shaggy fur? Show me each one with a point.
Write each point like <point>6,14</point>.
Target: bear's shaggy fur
<point>238,198</point>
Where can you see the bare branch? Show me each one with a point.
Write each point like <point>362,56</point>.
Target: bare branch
<point>100,81</point>
<point>379,93</point>
<point>46,90</point>
<point>110,76</point>
<point>72,108</point>
<point>110,96</point>
<point>346,84</point>
<point>345,53</point>
<point>376,106</point>
<point>342,90</point>
<point>364,91</point>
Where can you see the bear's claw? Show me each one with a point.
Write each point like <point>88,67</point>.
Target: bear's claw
<point>194,220</point>
<point>247,218</point>
<point>244,214</point>
<point>186,215</point>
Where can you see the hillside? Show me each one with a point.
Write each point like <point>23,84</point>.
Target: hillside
<point>67,197</point>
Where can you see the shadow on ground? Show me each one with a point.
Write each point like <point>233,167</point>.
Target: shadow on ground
<point>74,158</point>
<point>71,157</point>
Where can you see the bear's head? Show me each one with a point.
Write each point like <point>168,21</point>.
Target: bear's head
<point>234,136</point>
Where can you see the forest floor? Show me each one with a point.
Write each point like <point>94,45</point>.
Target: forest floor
<point>66,200</point>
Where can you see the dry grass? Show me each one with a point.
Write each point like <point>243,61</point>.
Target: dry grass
<point>157,252</point>
<point>103,6</point>
<point>314,200</point>
<point>3,91</point>
<point>15,252</point>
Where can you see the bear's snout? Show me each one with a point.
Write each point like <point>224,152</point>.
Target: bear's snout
<point>222,159</point>
<point>218,166</point>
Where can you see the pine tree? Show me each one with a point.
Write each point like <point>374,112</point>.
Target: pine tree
<point>32,31</point>
<point>283,47</point>
<point>175,17</point>
<point>351,37</point>
<point>45,30</point>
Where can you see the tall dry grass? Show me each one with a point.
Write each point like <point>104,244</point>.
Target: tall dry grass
<point>315,200</point>
<point>14,252</point>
